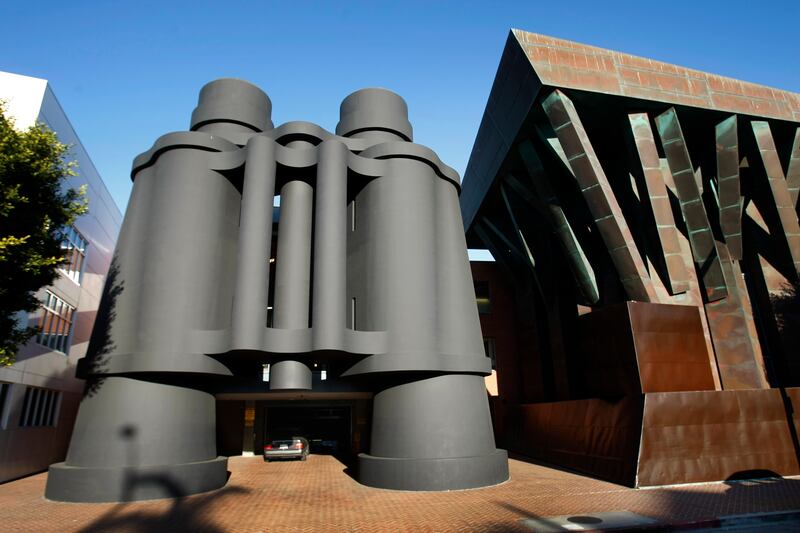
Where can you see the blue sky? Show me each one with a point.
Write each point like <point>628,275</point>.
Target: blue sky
<point>128,72</point>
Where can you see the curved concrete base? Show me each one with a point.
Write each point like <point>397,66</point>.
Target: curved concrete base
<point>452,473</point>
<point>124,484</point>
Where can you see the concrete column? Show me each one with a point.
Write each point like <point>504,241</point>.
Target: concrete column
<point>255,235</point>
<point>293,261</point>
<point>328,313</point>
<point>431,426</point>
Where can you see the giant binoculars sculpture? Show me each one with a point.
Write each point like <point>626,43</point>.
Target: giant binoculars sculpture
<point>371,266</point>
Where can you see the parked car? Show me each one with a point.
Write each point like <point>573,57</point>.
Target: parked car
<point>293,448</point>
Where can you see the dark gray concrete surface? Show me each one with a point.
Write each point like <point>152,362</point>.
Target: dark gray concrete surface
<point>372,269</point>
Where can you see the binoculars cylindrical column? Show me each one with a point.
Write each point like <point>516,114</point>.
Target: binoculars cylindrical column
<point>146,427</point>
<point>431,426</point>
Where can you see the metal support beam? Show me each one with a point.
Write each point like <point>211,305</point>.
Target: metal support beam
<point>599,197</point>
<point>730,199</point>
<point>701,238</point>
<point>581,269</point>
<point>793,171</point>
<point>531,261</point>
<point>659,202</point>
<point>779,188</point>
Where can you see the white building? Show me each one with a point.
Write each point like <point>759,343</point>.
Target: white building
<point>39,395</point>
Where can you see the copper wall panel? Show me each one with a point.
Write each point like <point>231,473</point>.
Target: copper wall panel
<point>638,347</point>
<point>793,409</point>
<point>710,436</point>
<point>670,348</point>
<point>561,63</point>
<point>598,437</point>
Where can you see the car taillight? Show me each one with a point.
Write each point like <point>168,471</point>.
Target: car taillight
<point>268,447</point>
<point>298,445</point>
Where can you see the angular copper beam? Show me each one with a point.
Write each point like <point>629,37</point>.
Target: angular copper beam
<point>599,197</point>
<point>581,269</point>
<point>780,189</point>
<point>730,200</point>
<point>739,358</point>
<point>793,172</point>
<point>659,202</point>
<point>701,239</point>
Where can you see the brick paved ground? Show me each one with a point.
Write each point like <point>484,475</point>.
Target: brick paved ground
<point>317,495</point>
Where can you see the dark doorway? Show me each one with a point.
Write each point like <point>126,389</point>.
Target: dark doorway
<point>328,428</point>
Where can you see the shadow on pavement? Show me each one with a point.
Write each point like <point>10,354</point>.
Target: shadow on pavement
<point>189,514</point>
<point>750,492</point>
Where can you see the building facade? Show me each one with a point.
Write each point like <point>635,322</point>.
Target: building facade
<point>39,394</point>
<point>644,219</point>
<point>365,293</point>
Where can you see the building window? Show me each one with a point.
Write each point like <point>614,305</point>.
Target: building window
<point>55,326</point>
<point>488,349</point>
<point>74,248</point>
<point>4,394</point>
<point>40,408</point>
<point>482,297</point>
<point>265,372</point>
<point>322,368</point>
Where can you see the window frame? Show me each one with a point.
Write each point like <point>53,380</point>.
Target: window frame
<point>40,408</point>
<point>75,246</point>
<point>56,321</point>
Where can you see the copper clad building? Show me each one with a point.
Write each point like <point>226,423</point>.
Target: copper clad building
<point>644,221</point>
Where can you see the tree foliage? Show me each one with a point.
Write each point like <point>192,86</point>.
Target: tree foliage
<point>35,208</point>
<point>786,306</point>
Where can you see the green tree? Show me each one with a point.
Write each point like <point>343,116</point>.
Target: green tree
<point>35,207</point>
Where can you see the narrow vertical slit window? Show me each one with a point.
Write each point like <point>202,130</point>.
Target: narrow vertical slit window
<point>4,393</point>
<point>353,313</point>
<point>52,419</point>
<point>26,402</point>
<point>34,407</point>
